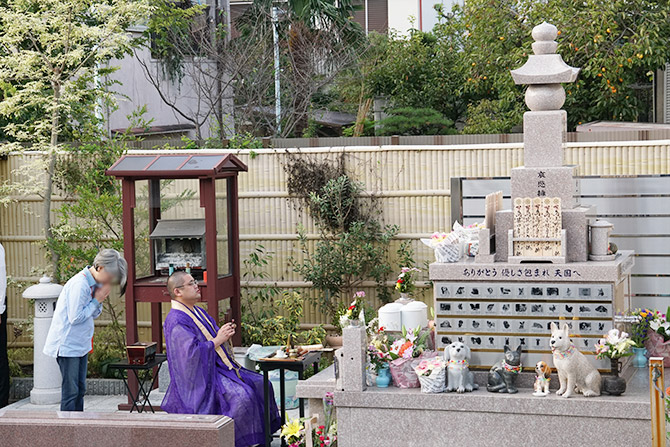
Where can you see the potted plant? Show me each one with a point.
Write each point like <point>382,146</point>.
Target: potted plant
<point>658,338</point>
<point>640,334</point>
<point>613,346</point>
<point>403,352</point>
<point>405,282</point>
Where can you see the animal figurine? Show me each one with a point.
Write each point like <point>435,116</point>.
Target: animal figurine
<point>502,376</point>
<point>459,377</point>
<point>542,379</point>
<point>575,372</point>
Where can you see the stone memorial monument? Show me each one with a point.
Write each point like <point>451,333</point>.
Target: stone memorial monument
<point>538,270</point>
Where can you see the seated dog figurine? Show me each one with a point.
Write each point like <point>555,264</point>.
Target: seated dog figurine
<point>542,379</point>
<point>502,376</point>
<point>575,372</point>
<point>459,376</point>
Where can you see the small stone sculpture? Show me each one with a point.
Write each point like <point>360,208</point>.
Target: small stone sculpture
<point>575,372</point>
<point>459,376</point>
<point>503,375</point>
<point>542,379</point>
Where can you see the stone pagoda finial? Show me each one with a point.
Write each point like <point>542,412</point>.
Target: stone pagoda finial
<point>545,71</point>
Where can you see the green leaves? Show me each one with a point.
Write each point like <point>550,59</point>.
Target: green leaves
<point>421,121</point>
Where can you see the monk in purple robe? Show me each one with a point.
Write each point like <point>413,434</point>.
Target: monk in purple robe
<point>204,376</point>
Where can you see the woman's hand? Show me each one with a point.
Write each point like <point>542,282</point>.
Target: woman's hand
<point>101,293</point>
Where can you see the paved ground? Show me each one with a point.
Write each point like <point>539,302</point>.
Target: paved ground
<point>109,404</point>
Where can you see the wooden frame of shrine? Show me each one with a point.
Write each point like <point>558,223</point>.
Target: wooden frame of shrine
<point>209,169</point>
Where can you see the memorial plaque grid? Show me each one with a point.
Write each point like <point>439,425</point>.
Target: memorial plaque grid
<point>488,316</point>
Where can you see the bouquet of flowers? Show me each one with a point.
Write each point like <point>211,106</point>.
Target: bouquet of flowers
<point>432,375</point>
<point>412,345</point>
<point>640,328</point>
<point>660,324</point>
<point>301,433</point>
<point>326,434</point>
<point>378,349</point>
<point>449,247</point>
<point>614,345</point>
<point>293,432</point>
<point>354,313</point>
<point>405,281</point>
<point>658,337</point>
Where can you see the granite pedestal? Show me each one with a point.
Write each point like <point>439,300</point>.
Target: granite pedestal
<point>489,306</point>
<point>85,429</point>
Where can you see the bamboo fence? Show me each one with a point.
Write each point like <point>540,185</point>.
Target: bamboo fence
<point>411,182</point>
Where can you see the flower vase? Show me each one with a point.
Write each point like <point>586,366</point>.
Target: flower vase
<point>657,347</point>
<point>404,298</point>
<point>639,358</point>
<point>383,376</point>
<point>354,323</point>
<point>614,385</point>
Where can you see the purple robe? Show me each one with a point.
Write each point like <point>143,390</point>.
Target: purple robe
<point>200,383</point>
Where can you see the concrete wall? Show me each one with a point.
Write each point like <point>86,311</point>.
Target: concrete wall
<point>135,91</point>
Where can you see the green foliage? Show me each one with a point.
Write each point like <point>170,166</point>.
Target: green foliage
<point>409,121</point>
<point>493,116</point>
<point>353,244</point>
<point>93,221</point>
<point>617,44</point>
<point>280,329</point>
<point>170,30</point>
<point>245,140</point>
<point>15,357</point>
<point>417,71</point>
<point>260,322</point>
<point>109,344</point>
<point>324,363</point>
<point>368,129</point>
<point>52,53</point>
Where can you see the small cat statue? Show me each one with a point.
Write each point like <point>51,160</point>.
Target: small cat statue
<point>503,375</point>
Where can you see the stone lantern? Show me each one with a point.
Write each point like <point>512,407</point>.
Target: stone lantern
<point>46,376</point>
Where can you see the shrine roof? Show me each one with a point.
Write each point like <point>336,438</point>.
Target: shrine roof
<point>175,166</point>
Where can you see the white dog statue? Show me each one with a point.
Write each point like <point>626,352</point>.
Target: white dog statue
<point>575,372</point>
<point>459,376</point>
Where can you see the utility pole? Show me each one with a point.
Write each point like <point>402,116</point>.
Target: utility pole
<point>275,34</point>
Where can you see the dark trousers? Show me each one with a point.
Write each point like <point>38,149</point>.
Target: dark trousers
<point>4,362</point>
<point>73,370</point>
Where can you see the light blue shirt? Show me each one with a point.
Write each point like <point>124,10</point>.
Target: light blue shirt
<point>72,326</point>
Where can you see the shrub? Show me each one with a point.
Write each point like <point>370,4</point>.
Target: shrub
<point>410,121</point>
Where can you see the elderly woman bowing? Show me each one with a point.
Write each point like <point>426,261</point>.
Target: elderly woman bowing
<point>71,331</point>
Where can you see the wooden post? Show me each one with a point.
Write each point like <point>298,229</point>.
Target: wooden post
<point>310,424</point>
<point>212,290</point>
<point>234,256</point>
<point>657,399</point>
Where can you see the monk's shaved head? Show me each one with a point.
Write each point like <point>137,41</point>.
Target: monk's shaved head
<point>175,280</point>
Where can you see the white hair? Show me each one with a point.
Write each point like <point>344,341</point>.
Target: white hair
<point>114,264</point>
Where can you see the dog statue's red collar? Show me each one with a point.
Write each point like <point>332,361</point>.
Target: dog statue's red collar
<point>564,354</point>
<point>511,368</point>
